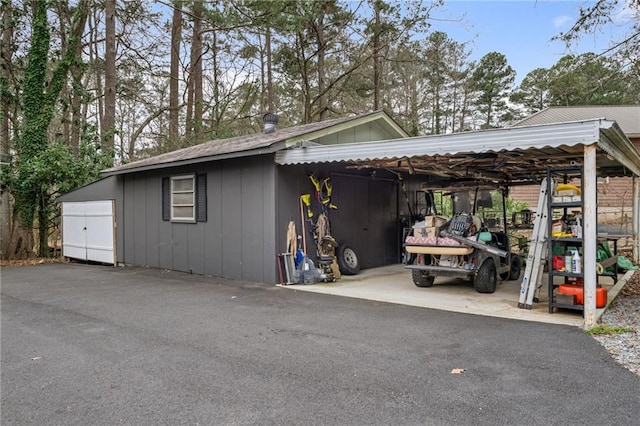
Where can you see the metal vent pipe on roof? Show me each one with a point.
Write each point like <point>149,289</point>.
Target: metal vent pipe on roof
<point>270,121</point>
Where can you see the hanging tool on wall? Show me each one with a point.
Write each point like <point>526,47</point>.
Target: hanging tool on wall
<point>306,199</point>
<point>323,191</point>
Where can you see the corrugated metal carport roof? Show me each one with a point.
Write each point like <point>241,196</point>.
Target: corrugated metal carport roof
<point>516,155</point>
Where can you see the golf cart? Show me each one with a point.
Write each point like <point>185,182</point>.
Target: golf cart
<point>472,243</point>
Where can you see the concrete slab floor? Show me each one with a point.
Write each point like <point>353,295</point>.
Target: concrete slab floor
<point>393,284</point>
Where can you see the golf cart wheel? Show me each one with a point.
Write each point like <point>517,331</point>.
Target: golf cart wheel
<point>408,258</point>
<point>422,278</point>
<point>486,278</point>
<point>348,260</point>
<point>515,267</point>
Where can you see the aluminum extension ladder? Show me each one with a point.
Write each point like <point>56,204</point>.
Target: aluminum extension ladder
<point>536,258</point>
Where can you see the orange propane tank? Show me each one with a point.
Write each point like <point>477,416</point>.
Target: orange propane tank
<point>578,292</point>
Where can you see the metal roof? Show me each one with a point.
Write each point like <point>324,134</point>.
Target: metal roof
<point>255,144</point>
<point>516,155</point>
<point>627,116</point>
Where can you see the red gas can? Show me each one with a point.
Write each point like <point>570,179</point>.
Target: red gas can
<point>558,262</point>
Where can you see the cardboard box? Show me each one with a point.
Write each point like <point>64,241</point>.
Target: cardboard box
<point>434,221</point>
<point>429,221</point>
<point>565,299</point>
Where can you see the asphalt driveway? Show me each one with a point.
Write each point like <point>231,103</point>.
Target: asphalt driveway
<point>84,344</point>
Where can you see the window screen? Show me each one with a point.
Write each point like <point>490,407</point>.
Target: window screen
<point>184,198</point>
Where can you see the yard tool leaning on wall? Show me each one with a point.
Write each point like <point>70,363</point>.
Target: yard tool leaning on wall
<point>292,238</point>
<point>320,230</point>
<point>326,245</point>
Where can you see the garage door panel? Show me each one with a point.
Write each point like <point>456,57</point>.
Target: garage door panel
<point>349,224</point>
<point>99,208</point>
<point>100,254</point>
<point>100,238</point>
<point>73,238</point>
<point>75,251</point>
<point>73,209</point>
<point>88,231</point>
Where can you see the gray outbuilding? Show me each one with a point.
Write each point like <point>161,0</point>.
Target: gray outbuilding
<point>223,207</point>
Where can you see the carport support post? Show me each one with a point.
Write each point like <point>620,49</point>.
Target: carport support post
<point>636,220</point>
<point>590,230</point>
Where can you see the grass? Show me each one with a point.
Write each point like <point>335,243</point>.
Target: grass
<point>608,330</point>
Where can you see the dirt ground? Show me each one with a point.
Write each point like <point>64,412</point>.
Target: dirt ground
<point>633,286</point>
<point>29,262</point>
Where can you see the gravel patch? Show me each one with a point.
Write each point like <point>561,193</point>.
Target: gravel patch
<point>624,312</point>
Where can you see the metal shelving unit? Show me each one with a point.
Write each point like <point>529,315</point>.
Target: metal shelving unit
<point>555,176</point>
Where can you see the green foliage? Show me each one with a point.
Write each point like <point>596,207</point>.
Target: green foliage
<point>608,330</point>
<point>533,92</point>
<point>443,204</point>
<point>55,170</point>
<point>34,173</point>
<point>492,79</point>
<point>586,79</point>
<point>34,134</point>
<point>514,206</point>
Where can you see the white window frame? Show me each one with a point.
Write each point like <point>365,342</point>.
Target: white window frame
<point>192,218</point>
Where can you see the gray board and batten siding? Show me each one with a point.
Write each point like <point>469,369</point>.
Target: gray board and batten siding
<point>366,217</point>
<point>235,241</point>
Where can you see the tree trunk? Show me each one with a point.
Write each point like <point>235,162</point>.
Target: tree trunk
<point>5,106</point>
<point>108,131</point>
<point>43,224</point>
<point>322,102</point>
<point>77,117</point>
<point>270,103</point>
<point>63,12</point>
<point>21,244</point>
<point>94,58</point>
<point>191,84</point>
<point>198,98</point>
<point>174,94</point>
<point>305,83</point>
<point>376,57</point>
<point>217,111</point>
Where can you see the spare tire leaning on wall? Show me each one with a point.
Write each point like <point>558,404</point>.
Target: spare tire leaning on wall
<point>348,260</point>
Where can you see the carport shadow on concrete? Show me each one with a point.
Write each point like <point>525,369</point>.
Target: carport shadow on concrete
<point>393,284</point>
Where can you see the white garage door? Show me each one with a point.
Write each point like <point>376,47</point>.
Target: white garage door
<point>88,231</point>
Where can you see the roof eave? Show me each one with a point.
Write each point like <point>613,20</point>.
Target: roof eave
<point>231,155</point>
<point>615,143</point>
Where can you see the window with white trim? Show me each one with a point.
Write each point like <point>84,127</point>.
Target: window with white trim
<point>183,198</point>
